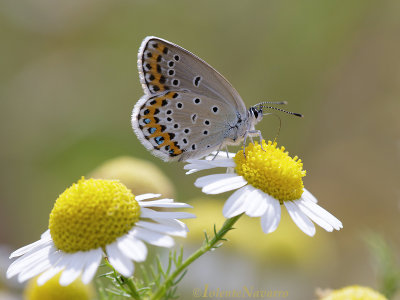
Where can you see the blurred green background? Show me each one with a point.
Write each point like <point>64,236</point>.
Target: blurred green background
<point>68,83</point>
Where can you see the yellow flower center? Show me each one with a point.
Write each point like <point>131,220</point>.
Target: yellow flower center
<point>53,290</point>
<point>354,292</point>
<point>271,170</point>
<point>91,214</point>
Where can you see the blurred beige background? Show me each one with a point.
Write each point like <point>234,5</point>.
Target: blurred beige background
<point>68,83</point>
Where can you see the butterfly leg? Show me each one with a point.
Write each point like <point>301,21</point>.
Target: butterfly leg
<point>244,142</point>
<point>258,132</point>
<point>219,149</point>
<point>226,151</point>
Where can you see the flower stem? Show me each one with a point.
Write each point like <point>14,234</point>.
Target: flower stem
<point>122,280</point>
<point>132,288</point>
<point>207,246</point>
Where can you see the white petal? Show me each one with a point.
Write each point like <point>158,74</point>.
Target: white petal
<point>46,235</point>
<point>93,259</point>
<point>205,180</point>
<point>133,248</point>
<point>178,225</point>
<point>309,196</point>
<point>257,204</point>
<point>149,213</point>
<point>50,273</point>
<point>54,270</point>
<point>146,196</point>
<point>40,265</point>
<point>152,237</point>
<point>165,200</point>
<point>119,261</point>
<point>199,164</point>
<point>236,204</point>
<point>192,171</point>
<point>322,213</point>
<point>272,216</point>
<point>39,268</point>
<point>220,155</point>
<point>313,216</point>
<point>38,244</point>
<point>73,268</point>
<point>220,183</point>
<point>28,260</point>
<point>162,228</point>
<point>301,220</point>
<point>163,203</point>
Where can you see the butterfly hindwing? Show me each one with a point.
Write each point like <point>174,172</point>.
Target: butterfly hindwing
<point>177,125</point>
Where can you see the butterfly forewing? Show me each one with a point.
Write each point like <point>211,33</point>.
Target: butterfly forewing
<point>164,66</point>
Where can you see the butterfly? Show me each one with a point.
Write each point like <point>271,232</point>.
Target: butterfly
<point>188,109</point>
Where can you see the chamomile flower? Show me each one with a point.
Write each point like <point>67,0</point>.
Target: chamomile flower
<point>53,290</point>
<point>265,179</point>
<point>97,217</point>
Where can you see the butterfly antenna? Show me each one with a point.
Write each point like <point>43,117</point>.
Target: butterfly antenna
<point>272,102</point>
<point>282,110</point>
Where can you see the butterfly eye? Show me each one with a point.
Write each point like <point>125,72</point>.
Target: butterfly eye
<point>255,113</point>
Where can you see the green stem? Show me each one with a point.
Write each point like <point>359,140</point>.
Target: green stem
<point>160,292</point>
<point>128,281</point>
<point>132,288</point>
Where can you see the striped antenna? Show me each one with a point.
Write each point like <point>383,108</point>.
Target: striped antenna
<point>263,106</point>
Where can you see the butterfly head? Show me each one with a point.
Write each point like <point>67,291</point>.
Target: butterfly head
<point>255,114</point>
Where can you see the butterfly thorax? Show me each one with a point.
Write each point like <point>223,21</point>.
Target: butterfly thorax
<point>243,124</point>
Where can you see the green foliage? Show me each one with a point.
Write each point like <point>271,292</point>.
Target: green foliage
<point>386,263</point>
<point>158,282</point>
